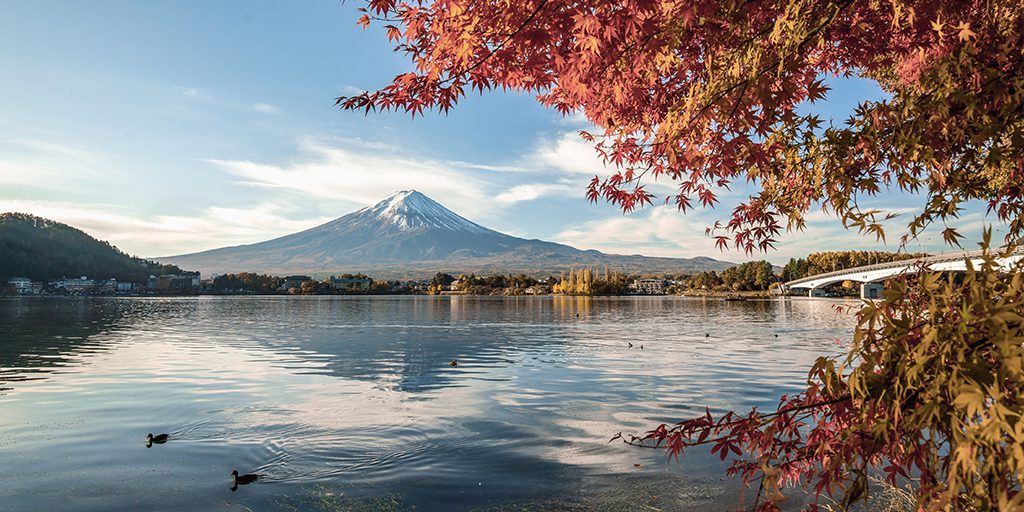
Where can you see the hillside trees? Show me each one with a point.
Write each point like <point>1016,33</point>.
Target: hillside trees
<point>753,275</point>
<point>42,249</point>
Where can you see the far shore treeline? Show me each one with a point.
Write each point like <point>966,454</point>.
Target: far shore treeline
<point>37,249</point>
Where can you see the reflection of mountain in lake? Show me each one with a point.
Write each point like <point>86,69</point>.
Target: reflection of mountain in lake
<point>407,343</point>
<point>404,344</point>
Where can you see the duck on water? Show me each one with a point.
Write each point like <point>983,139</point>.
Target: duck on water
<point>237,479</point>
<point>157,439</point>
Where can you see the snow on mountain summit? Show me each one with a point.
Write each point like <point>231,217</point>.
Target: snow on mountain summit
<point>410,210</point>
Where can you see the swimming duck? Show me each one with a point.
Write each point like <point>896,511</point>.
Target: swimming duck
<point>630,344</point>
<point>453,363</point>
<point>706,335</point>
<point>157,439</point>
<point>237,479</point>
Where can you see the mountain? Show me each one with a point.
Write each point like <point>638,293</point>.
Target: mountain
<point>43,249</point>
<point>409,235</point>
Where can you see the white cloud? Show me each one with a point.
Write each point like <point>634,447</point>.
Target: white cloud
<point>579,120</point>
<point>54,166</point>
<point>164,235</point>
<point>332,176</point>
<point>266,108</point>
<point>568,154</point>
<point>531,191</point>
<point>565,165</point>
<point>351,90</point>
<point>53,148</point>
<point>664,231</point>
<point>656,231</point>
<point>192,92</point>
<point>361,175</point>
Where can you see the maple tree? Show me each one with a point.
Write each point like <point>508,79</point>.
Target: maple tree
<point>705,94</point>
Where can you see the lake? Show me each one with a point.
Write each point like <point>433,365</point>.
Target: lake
<point>351,403</point>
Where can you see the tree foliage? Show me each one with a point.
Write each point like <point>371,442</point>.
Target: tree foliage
<point>586,281</point>
<point>247,282</point>
<point>709,93</point>
<point>749,276</point>
<point>576,282</point>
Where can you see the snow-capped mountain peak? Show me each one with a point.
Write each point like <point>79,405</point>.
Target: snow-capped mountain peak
<point>410,210</point>
<point>409,232</point>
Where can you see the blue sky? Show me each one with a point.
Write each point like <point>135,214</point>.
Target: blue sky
<point>174,127</point>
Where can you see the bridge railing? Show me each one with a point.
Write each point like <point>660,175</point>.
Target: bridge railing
<point>936,258</point>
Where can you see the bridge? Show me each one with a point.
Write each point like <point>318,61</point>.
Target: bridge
<point>871,277</point>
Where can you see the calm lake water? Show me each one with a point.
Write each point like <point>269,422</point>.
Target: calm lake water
<point>350,403</point>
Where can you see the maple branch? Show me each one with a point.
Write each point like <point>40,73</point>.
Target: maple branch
<point>828,21</point>
<point>501,45</point>
<point>760,419</point>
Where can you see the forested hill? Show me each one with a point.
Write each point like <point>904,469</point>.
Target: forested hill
<point>43,249</point>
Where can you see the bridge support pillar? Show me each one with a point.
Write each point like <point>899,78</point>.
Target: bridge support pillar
<point>871,290</point>
<point>816,292</point>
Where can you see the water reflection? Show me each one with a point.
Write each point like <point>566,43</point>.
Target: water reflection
<point>42,336</point>
<point>359,393</point>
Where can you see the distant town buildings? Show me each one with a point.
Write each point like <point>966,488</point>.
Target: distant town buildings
<point>537,290</point>
<point>185,281</point>
<point>22,286</point>
<point>350,283</point>
<point>294,282</point>
<point>73,285</point>
<point>649,286</point>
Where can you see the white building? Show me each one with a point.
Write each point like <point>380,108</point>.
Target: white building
<point>20,285</point>
<point>649,286</point>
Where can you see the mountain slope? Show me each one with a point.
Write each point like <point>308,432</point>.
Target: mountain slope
<point>409,234</point>
<point>43,249</point>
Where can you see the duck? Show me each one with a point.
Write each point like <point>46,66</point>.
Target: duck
<point>453,363</point>
<point>776,335</point>
<point>577,315</point>
<point>237,479</point>
<point>706,335</point>
<point>157,439</point>
<point>630,344</point>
